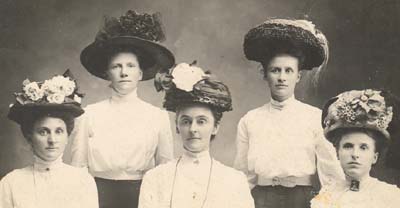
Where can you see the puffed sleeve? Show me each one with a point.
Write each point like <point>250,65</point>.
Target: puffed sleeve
<point>243,198</point>
<point>322,200</point>
<point>328,165</point>
<point>242,150</point>
<point>90,195</point>
<point>165,147</point>
<point>148,192</point>
<point>6,200</point>
<point>79,141</point>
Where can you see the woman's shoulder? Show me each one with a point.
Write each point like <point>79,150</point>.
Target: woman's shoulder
<point>385,189</point>
<point>163,170</point>
<point>17,174</point>
<point>228,172</point>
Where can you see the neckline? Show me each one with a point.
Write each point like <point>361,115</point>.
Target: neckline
<point>276,105</point>
<point>118,98</point>
<point>41,165</point>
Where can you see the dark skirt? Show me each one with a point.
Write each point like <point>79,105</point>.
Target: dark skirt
<point>282,197</point>
<point>118,193</point>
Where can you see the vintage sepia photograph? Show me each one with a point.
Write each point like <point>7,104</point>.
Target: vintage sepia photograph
<point>200,104</point>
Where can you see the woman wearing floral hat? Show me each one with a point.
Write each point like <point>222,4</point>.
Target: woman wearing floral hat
<point>121,138</point>
<point>356,123</point>
<point>195,179</point>
<point>46,111</point>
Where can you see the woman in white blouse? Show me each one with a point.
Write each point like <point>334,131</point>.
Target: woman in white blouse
<point>356,123</point>
<point>45,111</point>
<point>121,138</point>
<point>196,179</point>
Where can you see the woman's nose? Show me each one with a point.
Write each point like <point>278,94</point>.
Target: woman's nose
<point>123,72</point>
<point>51,139</point>
<point>281,76</point>
<point>193,127</point>
<point>355,153</point>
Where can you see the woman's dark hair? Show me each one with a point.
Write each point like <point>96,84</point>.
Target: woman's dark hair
<point>27,125</point>
<point>290,50</point>
<point>379,138</point>
<point>145,60</point>
<point>216,113</point>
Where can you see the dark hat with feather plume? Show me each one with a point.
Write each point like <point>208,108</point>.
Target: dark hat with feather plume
<point>140,33</point>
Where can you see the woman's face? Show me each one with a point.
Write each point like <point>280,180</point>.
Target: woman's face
<point>196,125</point>
<point>124,72</point>
<point>282,75</point>
<point>357,154</point>
<point>48,138</point>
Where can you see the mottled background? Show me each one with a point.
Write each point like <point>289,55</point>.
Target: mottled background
<point>41,38</point>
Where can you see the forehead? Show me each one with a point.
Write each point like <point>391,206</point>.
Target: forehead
<point>123,56</point>
<point>195,110</point>
<point>280,60</point>
<point>49,122</point>
<point>357,138</point>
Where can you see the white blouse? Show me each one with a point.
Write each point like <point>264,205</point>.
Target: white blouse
<point>48,185</point>
<point>372,194</point>
<point>193,181</point>
<point>285,139</point>
<point>121,138</point>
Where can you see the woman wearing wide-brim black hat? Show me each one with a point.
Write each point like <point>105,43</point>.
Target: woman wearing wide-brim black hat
<point>121,138</point>
<point>45,112</point>
<point>357,122</point>
<point>280,145</point>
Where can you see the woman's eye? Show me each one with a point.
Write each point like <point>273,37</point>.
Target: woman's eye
<point>364,147</point>
<point>347,146</point>
<point>59,131</point>
<point>185,122</point>
<point>131,65</point>
<point>202,121</point>
<point>289,70</point>
<point>42,132</point>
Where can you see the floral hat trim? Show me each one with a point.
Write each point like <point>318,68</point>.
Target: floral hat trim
<point>144,26</point>
<point>187,83</point>
<point>363,109</point>
<point>57,90</point>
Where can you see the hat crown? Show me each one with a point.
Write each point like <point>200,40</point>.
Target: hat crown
<point>187,83</point>
<point>144,26</point>
<point>359,109</point>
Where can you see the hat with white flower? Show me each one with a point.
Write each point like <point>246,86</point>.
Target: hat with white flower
<point>365,109</point>
<point>136,32</point>
<point>187,84</point>
<point>268,38</point>
<point>58,94</point>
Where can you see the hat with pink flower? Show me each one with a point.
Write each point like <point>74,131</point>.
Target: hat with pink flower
<point>58,94</point>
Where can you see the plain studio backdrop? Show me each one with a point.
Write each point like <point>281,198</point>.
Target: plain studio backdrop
<point>41,38</point>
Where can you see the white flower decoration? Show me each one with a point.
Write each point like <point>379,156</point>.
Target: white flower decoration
<point>59,85</point>
<point>77,99</point>
<point>56,98</point>
<point>33,91</point>
<point>186,76</point>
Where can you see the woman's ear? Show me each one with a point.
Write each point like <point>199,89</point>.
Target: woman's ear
<point>215,130</point>
<point>376,156</point>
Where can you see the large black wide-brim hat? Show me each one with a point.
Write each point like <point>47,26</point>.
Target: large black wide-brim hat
<point>95,56</point>
<point>142,33</point>
<point>21,113</point>
<point>268,38</point>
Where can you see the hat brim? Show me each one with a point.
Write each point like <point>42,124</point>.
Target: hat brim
<point>93,57</point>
<point>19,113</point>
<point>265,40</point>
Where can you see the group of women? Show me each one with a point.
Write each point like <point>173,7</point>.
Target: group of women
<point>122,147</point>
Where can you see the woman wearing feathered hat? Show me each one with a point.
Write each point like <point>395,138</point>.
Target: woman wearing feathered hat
<point>356,123</point>
<point>46,111</point>
<point>122,137</point>
<point>280,145</point>
<point>195,179</point>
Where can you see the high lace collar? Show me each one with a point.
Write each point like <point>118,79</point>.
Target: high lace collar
<point>281,105</point>
<point>196,158</point>
<point>118,98</point>
<point>42,165</point>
